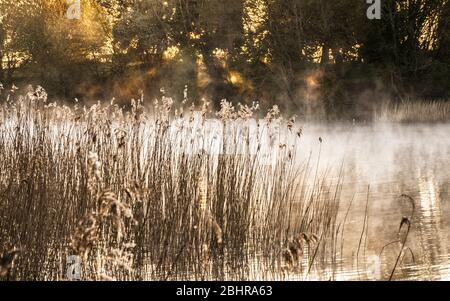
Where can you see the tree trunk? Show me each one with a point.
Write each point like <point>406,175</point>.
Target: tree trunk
<point>1,67</point>
<point>444,34</point>
<point>2,42</point>
<point>325,55</point>
<point>337,56</point>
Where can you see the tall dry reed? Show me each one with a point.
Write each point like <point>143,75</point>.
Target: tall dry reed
<point>138,194</point>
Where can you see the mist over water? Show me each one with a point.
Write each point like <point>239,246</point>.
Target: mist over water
<point>382,161</point>
<point>376,163</point>
<point>224,140</point>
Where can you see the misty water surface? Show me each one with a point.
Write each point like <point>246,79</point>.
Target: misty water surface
<point>384,161</point>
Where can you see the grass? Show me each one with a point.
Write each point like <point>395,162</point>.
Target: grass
<point>114,186</point>
<point>414,111</point>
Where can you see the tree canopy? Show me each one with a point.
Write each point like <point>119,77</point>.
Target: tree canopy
<point>290,52</point>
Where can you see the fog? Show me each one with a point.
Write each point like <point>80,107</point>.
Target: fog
<point>392,159</point>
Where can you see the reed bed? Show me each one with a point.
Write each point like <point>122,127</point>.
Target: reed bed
<point>138,193</point>
<point>410,111</point>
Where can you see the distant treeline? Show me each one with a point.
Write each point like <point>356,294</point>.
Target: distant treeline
<point>304,55</point>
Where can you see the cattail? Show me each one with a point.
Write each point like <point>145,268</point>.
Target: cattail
<point>14,88</point>
<point>185,94</point>
<point>294,248</point>
<point>291,123</point>
<point>272,114</point>
<point>191,113</point>
<point>245,112</point>
<point>227,110</point>
<point>304,237</point>
<point>287,255</point>
<point>314,239</point>
<point>405,221</point>
<point>205,107</point>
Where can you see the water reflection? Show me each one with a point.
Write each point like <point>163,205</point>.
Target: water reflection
<point>394,160</point>
<point>432,242</point>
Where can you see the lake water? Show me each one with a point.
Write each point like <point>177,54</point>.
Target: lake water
<point>382,162</point>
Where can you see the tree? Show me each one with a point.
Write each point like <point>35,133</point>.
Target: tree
<point>220,25</point>
<point>270,50</point>
<point>443,34</point>
<point>2,46</point>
